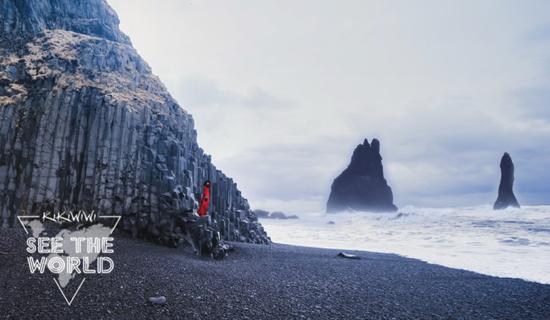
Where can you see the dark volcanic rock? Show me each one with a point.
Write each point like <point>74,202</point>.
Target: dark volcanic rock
<point>261,213</point>
<point>274,215</point>
<point>84,124</point>
<point>362,185</point>
<point>506,197</point>
<point>282,215</point>
<point>30,18</point>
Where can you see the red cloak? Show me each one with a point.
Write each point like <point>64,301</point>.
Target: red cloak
<point>205,200</point>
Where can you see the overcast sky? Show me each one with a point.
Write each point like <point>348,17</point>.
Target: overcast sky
<point>282,91</point>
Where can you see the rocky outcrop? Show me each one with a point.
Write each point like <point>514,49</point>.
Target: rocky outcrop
<point>262,214</point>
<point>85,124</point>
<point>27,19</point>
<point>506,197</point>
<point>361,186</point>
<point>282,216</point>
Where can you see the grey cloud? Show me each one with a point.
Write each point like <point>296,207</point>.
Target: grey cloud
<point>281,106</point>
<point>535,102</point>
<point>198,91</point>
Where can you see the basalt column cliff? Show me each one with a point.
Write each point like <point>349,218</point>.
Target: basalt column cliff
<point>85,124</point>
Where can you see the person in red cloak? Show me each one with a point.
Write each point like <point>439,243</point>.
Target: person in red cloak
<point>205,200</point>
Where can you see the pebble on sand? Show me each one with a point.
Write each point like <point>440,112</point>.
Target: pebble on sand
<point>157,300</point>
<point>348,256</point>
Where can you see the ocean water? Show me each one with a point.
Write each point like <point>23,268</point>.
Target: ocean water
<point>508,243</point>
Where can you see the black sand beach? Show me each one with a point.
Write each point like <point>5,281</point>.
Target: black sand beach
<point>264,282</point>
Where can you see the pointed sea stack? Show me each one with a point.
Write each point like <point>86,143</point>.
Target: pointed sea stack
<point>361,186</point>
<point>506,197</point>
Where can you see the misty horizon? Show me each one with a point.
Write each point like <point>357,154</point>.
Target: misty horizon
<point>283,92</point>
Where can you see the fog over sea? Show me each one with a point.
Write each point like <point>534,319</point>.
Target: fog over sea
<point>507,243</point>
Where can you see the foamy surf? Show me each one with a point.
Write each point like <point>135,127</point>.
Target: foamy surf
<point>508,243</point>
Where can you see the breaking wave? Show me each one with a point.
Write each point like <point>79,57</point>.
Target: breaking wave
<point>506,243</point>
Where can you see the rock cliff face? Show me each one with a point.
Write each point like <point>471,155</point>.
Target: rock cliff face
<point>506,197</point>
<point>361,186</point>
<point>84,124</point>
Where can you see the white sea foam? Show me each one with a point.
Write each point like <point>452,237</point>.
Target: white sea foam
<point>507,243</point>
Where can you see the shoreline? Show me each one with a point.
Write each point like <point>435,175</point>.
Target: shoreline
<point>510,243</point>
<point>358,251</point>
<point>265,282</point>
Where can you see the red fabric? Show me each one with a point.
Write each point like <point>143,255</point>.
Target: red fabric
<point>205,200</point>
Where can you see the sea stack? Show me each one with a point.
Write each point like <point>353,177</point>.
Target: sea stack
<point>361,186</point>
<point>85,124</point>
<point>506,197</point>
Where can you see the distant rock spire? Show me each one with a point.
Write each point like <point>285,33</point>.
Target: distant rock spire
<point>506,197</point>
<point>361,186</point>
